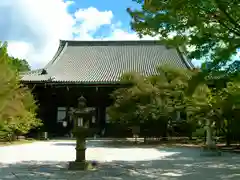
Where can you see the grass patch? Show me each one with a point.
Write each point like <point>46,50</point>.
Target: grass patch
<point>17,142</point>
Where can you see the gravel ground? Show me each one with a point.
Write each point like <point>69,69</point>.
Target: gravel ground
<point>49,160</point>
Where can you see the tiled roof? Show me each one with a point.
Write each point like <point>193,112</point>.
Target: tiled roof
<point>35,75</point>
<point>105,61</point>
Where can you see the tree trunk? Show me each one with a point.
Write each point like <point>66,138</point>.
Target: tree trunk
<point>205,136</point>
<point>144,139</point>
<point>209,139</point>
<point>228,135</point>
<point>165,133</point>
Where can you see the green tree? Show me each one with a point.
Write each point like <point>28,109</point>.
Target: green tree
<point>217,108</point>
<point>17,105</point>
<point>173,88</point>
<point>210,27</point>
<point>20,65</point>
<point>157,99</point>
<point>138,104</point>
<point>230,108</point>
<point>204,108</point>
<point>134,99</point>
<point>154,99</point>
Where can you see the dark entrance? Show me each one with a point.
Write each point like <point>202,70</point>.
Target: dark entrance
<point>55,103</point>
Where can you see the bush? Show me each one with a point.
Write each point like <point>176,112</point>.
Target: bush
<point>199,133</point>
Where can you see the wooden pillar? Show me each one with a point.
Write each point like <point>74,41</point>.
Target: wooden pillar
<point>100,107</point>
<point>102,116</point>
<point>52,109</point>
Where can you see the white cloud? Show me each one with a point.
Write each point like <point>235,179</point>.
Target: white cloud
<point>33,28</point>
<point>119,34</point>
<point>19,49</point>
<point>89,20</point>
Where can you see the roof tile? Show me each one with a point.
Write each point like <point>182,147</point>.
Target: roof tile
<point>106,61</point>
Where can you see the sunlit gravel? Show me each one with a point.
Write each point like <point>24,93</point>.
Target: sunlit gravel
<point>49,160</point>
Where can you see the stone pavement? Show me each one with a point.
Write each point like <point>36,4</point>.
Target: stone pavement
<point>48,160</point>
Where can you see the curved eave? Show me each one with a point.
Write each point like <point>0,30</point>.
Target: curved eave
<point>32,72</point>
<point>61,47</point>
<point>184,59</point>
<point>74,82</point>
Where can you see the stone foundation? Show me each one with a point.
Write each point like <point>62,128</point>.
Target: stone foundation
<point>79,166</point>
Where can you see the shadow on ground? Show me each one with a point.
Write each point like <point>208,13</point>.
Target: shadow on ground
<point>185,164</point>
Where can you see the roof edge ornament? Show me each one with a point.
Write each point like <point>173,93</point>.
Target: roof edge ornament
<point>62,42</point>
<point>43,72</point>
<point>51,78</point>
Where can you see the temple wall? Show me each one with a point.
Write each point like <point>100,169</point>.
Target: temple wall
<point>56,102</point>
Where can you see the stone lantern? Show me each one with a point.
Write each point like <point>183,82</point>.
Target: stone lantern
<point>81,117</point>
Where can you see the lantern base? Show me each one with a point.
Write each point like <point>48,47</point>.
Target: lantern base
<point>79,166</point>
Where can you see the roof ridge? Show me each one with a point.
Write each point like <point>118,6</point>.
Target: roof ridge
<point>110,42</point>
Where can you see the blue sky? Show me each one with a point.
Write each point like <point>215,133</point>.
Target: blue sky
<point>118,9</point>
<point>34,28</point>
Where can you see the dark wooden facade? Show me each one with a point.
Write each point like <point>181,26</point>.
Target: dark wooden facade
<point>52,97</point>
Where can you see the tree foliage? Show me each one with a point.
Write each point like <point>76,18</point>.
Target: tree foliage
<point>157,99</point>
<point>20,65</point>
<point>135,99</point>
<point>17,105</point>
<point>150,99</point>
<point>210,27</point>
<point>219,107</point>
